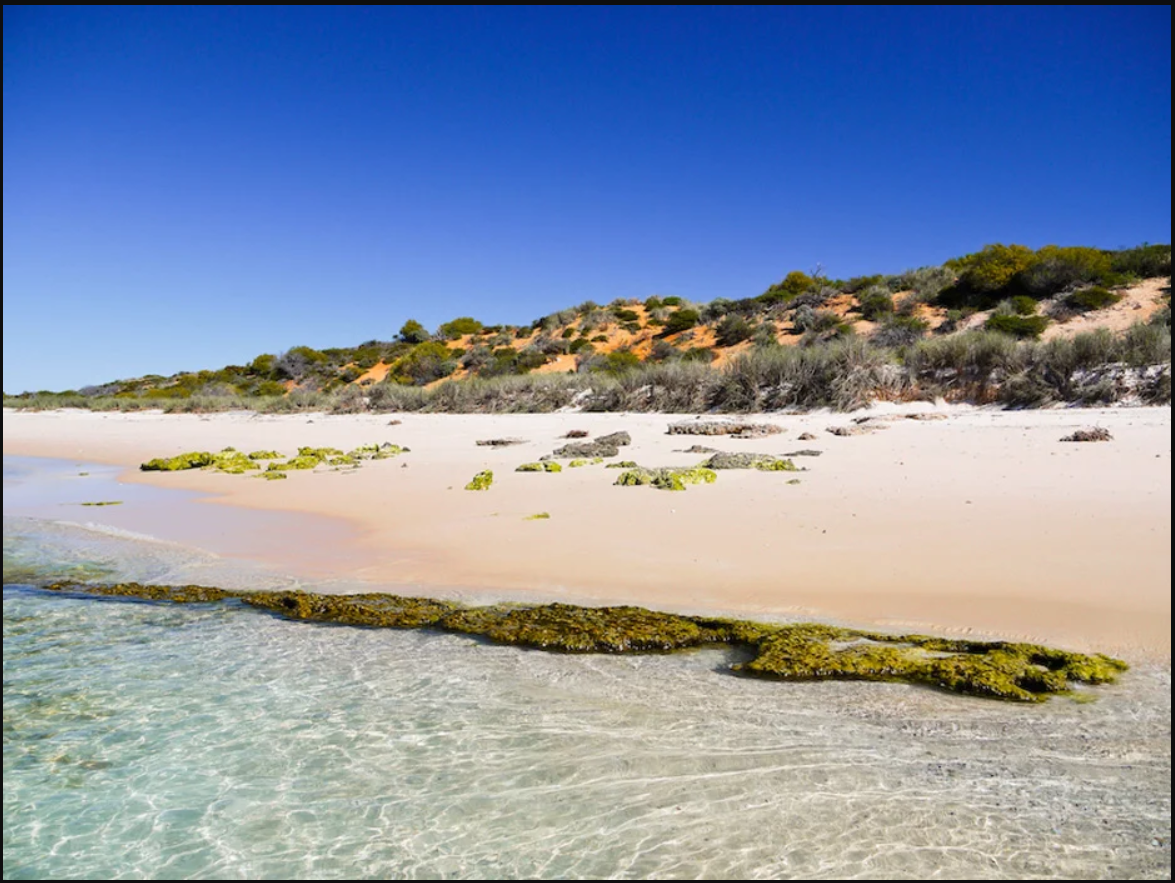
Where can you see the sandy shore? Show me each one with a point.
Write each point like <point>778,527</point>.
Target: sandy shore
<point>979,522</point>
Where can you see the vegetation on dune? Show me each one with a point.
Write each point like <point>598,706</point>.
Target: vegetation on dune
<point>799,344</point>
<point>1018,672</point>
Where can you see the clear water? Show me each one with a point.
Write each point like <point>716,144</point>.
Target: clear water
<point>143,741</point>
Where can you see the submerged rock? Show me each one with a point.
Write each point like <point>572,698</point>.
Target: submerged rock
<point>802,651</point>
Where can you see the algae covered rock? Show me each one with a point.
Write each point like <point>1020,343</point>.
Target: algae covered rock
<point>572,629</point>
<point>762,462</point>
<point>190,460</point>
<point>667,478</point>
<point>481,481</point>
<point>802,651</point>
<point>998,670</point>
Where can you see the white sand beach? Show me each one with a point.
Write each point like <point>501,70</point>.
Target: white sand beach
<point>978,521</point>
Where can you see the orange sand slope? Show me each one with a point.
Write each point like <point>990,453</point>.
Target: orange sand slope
<point>982,521</point>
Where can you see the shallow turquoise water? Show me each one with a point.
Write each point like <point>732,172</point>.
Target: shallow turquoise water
<point>143,741</point>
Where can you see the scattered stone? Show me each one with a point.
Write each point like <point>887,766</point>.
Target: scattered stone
<point>394,422</point>
<point>807,436</point>
<point>763,462</point>
<point>1094,434</point>
<point>576,433</point>
<point>860,429</point>
<point>500,442</point>
<point>698,449</point>
<point>804,452</point>
<point>604,446</point>
<point>723,427</point>
<point>104,503</point>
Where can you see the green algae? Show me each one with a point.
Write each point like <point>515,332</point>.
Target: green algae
<point>667,478</point>
<point>575,464</point>
<point>190,460</point>
<point>622,464</point>
<point>273,475</point>
<point>233,462</point>
<point>481,481</point>
<point>762,462</point>
<point>538,516</point>
<point>544,466</point>
<point>1005,670</point>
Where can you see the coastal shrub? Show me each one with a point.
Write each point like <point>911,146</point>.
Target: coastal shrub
<point>681,320</point>
<point>1022,305</point>
<point>1056,268</point>
<point>842,375</point>
<point>296,362</point>
<point>993,268</point>
<point>899,331</point>
<point>1093,298</point>
<point>458,327</point>
<point>1017,326</point>
<point>671,301</point>
<point>625,315</point>
<point>1143,262</point>
<point>733,329</point>
<point>425,363</point>
<point>876,304</point>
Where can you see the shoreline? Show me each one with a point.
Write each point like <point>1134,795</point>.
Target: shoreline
<point>977,523</point>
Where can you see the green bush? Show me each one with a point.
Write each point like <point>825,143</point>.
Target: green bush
<point>425,363</point>
<point>733,329</point>
<point>624,315</point>
<point>682,320</point>
<point>460,326</point>
<point>1018,326</point>
<point>1144,261</point>
<point>673,301</point>
<point>413,332</point>
<point>1023,305</point>
<point>1093,298</point>
<point>876,303</point>
<point>993,268</point>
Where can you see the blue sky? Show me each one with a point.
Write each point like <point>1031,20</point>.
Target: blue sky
<point>189,187</point>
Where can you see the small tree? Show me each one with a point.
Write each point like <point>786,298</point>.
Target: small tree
<point>414,332</point>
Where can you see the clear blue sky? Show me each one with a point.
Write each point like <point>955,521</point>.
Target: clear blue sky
<point>189,187</point>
